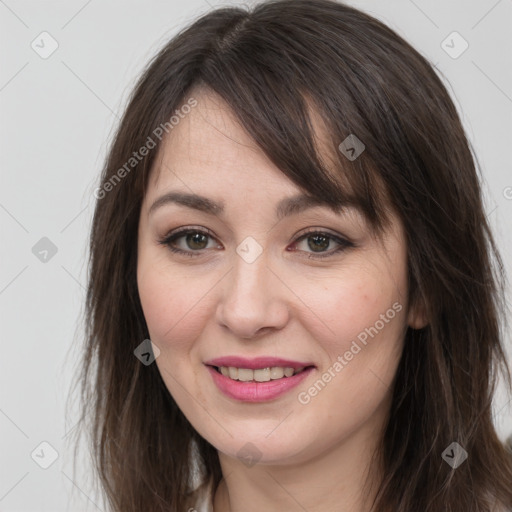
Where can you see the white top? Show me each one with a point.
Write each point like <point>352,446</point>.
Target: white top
<point>204,502</point>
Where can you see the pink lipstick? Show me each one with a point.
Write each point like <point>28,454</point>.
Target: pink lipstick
<point>252,390</point>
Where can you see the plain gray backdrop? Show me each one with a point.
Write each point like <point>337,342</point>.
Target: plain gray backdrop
<point>66,71</point>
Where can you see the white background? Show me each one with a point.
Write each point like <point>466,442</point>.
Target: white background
<point>57,117</point>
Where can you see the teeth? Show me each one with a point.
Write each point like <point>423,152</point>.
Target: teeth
<point>244,375</point>
<point>288,372</point>
<point>260,375</point>
<point>276,373</point>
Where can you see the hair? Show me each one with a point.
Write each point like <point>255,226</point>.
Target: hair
<point>274,64</point>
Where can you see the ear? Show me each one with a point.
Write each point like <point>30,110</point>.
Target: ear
<point>417,316</point>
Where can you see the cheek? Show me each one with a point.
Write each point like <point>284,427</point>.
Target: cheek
<point>363,320</point>
<point>175,305</point>
<point>364,304</point>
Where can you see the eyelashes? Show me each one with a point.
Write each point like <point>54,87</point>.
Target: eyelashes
<point>170,240</point>
<point>200,236</point>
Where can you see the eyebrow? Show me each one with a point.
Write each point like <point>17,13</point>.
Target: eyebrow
<point>286,207</point>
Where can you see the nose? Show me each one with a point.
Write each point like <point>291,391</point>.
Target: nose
<point>253,299</point>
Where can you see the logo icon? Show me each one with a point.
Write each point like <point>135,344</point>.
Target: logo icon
<point>44,250</point>
<point>44,455</point>
<point>147,352</point>
<point>249,250</point>
<point>44,45</point>
<point>249,454</point>
<point>454,455</point>
<point>454,45</point>
<point>351,147</point>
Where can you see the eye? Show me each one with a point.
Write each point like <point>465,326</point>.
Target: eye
<point>319,241</point>
<point>194,241</point>
<point>191,241</point>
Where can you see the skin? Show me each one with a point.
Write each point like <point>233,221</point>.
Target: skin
<point>313,456</point>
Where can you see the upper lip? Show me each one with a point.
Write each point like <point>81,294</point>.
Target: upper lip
<point>256,363</point>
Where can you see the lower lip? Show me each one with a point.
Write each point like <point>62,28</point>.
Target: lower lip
<point>257,391</point>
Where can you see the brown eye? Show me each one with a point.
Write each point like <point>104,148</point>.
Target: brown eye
<point>189,242</point>
<point>196,240</point>
<point>318,242</point>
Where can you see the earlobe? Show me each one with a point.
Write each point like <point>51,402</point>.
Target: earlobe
<point>417,317</point>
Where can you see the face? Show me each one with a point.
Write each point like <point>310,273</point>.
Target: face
<point>312,287</point>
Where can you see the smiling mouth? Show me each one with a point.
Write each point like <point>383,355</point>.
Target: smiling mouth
<point>259,375</point>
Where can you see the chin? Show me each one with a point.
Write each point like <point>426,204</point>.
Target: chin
<point>257,448</point>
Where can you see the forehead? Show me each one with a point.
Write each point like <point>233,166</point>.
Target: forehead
<point>209,145</point>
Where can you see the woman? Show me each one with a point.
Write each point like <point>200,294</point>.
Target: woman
<point>295,299</point>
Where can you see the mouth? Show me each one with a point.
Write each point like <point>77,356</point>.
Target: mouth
<point>258,384</point>
<point>267,374</point>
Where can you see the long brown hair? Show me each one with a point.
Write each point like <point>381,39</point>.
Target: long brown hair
<point>270,64</point>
